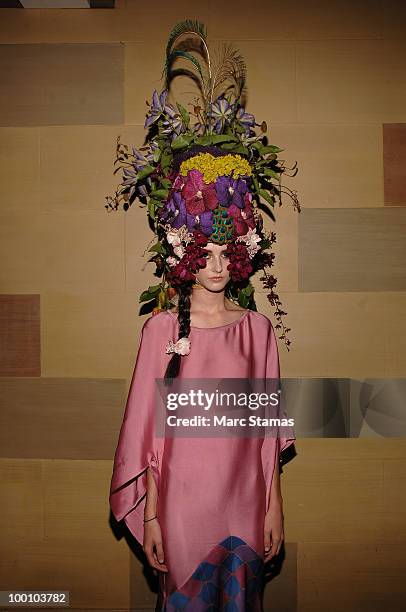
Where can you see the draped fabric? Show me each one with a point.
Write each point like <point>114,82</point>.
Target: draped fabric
<point>213,492</point>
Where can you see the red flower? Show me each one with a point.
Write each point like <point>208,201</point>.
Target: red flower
<point>240,265</point>
<point>193,259</point>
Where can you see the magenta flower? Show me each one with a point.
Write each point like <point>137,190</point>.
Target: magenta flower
<point>199,196</point>
<point>243,219</point>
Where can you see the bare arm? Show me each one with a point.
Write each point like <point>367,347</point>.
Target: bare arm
<point>153,546</point>
<point>152,496</point>
<point>276,493</point>
<point>273,525</point>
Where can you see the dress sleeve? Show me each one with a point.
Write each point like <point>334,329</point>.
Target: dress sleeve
<point>138,447</point>
<point>276,442</point>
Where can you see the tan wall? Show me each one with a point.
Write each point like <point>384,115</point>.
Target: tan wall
<point>329,79</point>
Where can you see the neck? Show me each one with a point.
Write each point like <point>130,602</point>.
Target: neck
<point>208,301</point>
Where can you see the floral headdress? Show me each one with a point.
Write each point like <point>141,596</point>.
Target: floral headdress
<point>204,175</point>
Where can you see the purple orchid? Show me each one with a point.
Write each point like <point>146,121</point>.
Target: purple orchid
<point>174,125</point>
<point>206,222</point>
<point>246,119</point>
<point>140,160</point>
<point>179,215</point>
<point>231,191</point>
<point>221,111</point>
<point>158,108</point>
<point>176,214</point>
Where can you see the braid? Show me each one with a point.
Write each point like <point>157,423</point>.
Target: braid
<point>173,366</point>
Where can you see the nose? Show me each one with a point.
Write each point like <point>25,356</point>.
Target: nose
<point>217,264</point>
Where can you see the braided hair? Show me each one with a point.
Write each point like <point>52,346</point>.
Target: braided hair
<point>184,292</point>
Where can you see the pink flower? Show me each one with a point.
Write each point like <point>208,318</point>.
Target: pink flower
<point>198,195</point>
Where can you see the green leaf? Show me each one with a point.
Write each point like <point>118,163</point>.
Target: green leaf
<point>160,194</point>
<point>157,155</point>
<point>184,114</point>
<point>150,293</point>
<point>158,248</point>
<point>182,141</point>
<point>255,182</point>
<point>166,160</point>
<point>272,149</point>
<point>146,171</point>
<point>267,196</point>
<point>166,183</point>
<point>204,140</point>
<point>270,172</point>
<point>235,148</point>
<point>215,138</point>
<point>151,208</point>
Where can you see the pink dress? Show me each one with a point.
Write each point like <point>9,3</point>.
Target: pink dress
<point>213,493</point>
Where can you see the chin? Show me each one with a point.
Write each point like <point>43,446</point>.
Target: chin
<point>216,285</point>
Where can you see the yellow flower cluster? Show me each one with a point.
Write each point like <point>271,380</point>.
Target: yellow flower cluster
<point>211,167</point>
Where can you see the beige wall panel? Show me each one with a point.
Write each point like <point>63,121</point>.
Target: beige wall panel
<point>72,84</point>
<point>339,166</point>
<point>353,249</point>
<point>144,67</point>
<point>312,19</point>
<point>38,527</point>
<point>19,168</point>
<point>338,500</point>
<point>20,26</point>
<point>395,337</point>
<point>62,251</point>
<point>20,350</point>
<point>351,576</point>
<point>394,161</point>
<point>78,25</point>
<point>394,510</point>
<point>77,165</point>
<point>56,418</point>
<point>152,21</point>
<point>270,79</point>
<point>89,334</point>
<point>76,504</point>
<point>333,334</point>
<point>132,20</point>
<point>356,449</point>
<point>95,573</point>
<point>20,251</point>
<point>338,83</point>
<point>21,485</point>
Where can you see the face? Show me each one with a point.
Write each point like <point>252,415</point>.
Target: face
<point>215,276</point>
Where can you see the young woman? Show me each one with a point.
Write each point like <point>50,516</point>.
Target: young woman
<point>207,510</point>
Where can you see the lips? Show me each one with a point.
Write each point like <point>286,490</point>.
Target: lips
<point>216,278</point>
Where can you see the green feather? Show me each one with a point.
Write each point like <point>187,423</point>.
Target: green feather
<point>172,56</point>
<point>183,27</point>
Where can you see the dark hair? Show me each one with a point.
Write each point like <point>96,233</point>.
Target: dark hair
<point>184,292</point>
